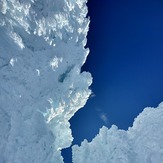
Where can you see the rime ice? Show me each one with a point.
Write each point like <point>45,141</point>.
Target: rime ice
<point>143,142</point>
<point>41,84</point>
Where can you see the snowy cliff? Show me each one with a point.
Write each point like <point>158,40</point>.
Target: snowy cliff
<point>41,84</point>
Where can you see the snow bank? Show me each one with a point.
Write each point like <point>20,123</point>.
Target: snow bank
<point>141,143</point>
<point>41,86</point>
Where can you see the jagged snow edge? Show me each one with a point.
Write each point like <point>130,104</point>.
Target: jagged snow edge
<point>143,142</point>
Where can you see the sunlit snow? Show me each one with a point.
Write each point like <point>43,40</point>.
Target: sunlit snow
<point>141,143</point>
<point>42,49</point>
<point>41,84</point>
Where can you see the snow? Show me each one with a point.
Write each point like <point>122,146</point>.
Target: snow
<point>42,50</point>
<point>41,84</point>
<point>143,142</point>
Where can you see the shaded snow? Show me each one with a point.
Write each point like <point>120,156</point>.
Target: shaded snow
<point>41,86</point>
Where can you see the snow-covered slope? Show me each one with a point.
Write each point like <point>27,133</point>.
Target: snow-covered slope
<point>41,86</point>
<point>142,143</point>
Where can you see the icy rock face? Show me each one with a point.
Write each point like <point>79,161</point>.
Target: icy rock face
<point>41,86</point>
<point>142,143</point>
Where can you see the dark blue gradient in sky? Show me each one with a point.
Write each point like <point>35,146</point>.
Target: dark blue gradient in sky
<point>126,62</point>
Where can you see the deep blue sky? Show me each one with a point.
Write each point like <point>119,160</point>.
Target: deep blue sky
<point>126,62</point>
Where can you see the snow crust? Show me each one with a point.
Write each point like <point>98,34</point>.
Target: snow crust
<point>141,143</point>
<point>41,84</point>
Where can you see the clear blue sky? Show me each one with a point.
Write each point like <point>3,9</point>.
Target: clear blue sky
<point>126,62</point>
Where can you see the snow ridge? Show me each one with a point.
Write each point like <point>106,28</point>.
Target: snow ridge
<point>143,142</point>
<point>41,84</point>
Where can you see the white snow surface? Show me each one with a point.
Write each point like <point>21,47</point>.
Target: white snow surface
<point>141,143</point>
<point>41,85</point>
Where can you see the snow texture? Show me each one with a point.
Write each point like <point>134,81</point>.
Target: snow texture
<point>41,85</point>
<point>141,143</point>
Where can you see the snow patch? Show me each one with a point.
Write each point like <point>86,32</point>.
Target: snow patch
<point>143,142</point>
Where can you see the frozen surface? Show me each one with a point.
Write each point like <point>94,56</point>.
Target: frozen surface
<point>141,143</point>
<point>41,86</point>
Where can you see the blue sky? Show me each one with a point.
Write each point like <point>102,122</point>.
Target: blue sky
<point>126,62</point>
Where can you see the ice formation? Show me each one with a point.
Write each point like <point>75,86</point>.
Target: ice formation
<point>42,49</point>
<point>141,143</point>
<point>41,85</point>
